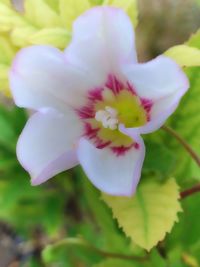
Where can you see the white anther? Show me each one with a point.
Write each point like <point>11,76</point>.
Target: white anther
<point>108,118</point>
<point>113,112</point>
<point>113,123</point>
<point>100,115</point>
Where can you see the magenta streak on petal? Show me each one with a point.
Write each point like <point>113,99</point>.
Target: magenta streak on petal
<point>147,105</point>
<point>95,95</point>
<point>90,132</point>
<point>121,150</point>
<point>100,144</point>
<point>86,112</point>
<point>114,84</point>
<point>131,89</point>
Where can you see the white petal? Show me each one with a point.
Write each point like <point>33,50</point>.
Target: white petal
<point>41,77</point>
<point>103,38</point>
<point>115,175</point>
<point>47,144</point>
<point>162,82</point>
<point>157,78</point>
<point>162,109</point>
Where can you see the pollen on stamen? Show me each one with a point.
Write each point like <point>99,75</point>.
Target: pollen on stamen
<point>108,118</point>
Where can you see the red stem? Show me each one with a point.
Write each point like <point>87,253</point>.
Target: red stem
<point>190,191</point>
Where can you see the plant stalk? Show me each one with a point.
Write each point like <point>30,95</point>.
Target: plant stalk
<point>185,145</point>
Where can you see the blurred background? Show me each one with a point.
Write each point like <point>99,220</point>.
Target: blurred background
<point>31,218</point>
<point>162,24</point>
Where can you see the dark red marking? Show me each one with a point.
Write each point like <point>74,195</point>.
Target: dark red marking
<point>96,95</point>
<point>86,112</point>
<point>131,89</point>
<point>100,144</point>
<point>121,150</point>
<point>147,105</point>
<point>114,84</point>
<point>136,146</point>
<point>90,132</point>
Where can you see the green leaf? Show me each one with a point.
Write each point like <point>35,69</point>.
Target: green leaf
<point>186,121</point>
<point>115,263</point>
<point>156,152</point>
<point>57,37</point>
<point>188,223</point>
<point>12,121</point>
<point>25,206</point>
<point>7,52</point>
<point>195,40</point>
<point>95,2</point>
<point>7,133</point>
<point>53,4</point>
<point>20,35</point>
<point>41,14</point>
<point>152,260</point>
<point>184,55</point>
<point>149,214</point>
<point>4,84</point>
<point>71,251</point>
<point>112,238</point>
<point>9,18</point>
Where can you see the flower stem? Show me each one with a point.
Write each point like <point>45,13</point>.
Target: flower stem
<point>84,243</point>
<point>190,191</point>
<point>186,146</point>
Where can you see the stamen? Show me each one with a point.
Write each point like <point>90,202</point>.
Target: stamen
<point>108,118</point>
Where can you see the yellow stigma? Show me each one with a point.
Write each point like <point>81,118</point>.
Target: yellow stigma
<point>125,107</point>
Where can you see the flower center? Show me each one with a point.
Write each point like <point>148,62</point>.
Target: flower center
<point>109,106</point>
<point>108,118</point>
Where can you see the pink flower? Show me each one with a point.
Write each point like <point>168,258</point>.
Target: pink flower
<point>93,102</point>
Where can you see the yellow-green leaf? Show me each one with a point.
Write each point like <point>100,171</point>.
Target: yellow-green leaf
<point>20,35</point>
<point>96,2</point>
<point>7,2</point>
<point>7,50</point>
<point>184,55</point>
<point>129,6</point>
<point>58,37</point>
<point>41,14</point>
<point>3,71</point>
<point>53,4</point>
<point>4,79</point>
<point>9,18</point>
<point>149,214</point>
<point>71,9</point>
<point>195,40</point>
